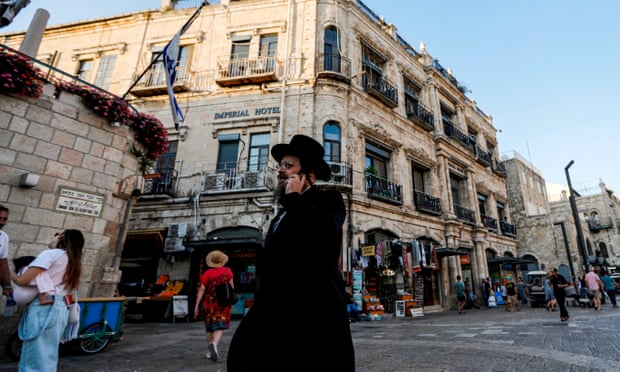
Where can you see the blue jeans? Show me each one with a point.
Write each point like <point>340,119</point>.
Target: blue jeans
<point>40,329</point>
<point>612,296</point>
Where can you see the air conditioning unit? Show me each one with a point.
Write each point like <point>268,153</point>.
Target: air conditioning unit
<point>339,171</point>
<point>215,181</point>
<point>174,244</point>
<point>253,180</point>
<point>177,230</point>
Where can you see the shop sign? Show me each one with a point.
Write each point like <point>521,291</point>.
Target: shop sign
<point>244,113</point>
<point>465,259</point>
<point>79,202</point>
<point>368,250</point>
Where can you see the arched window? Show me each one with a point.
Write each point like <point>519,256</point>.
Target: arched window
<point>331,141</point>
<point>331,58</point>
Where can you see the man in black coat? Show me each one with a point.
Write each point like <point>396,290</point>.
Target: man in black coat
<point>299,312</point>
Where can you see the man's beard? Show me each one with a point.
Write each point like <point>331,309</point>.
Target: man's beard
<point>280,189</point>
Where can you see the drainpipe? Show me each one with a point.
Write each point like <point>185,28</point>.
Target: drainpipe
<point>284,81</point>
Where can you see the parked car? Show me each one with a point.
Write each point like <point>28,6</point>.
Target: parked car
<point>535,287</point>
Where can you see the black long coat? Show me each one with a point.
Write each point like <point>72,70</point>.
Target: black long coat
<point>299,311</point>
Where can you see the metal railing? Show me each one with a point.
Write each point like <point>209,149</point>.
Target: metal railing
<point>161,182</point>
<point>228,67</point>
<point>426,203</point>
<point>380,188</point>
<point>381,88</point>
<point>508,229</point>
<point>601,223</point>
<point>466,215</point>
<point>420,112</point>
<point>482,156</point>
<point>453,132</point>
<point>233,176</point>
<point>335,63</point>
<point>489,222</point>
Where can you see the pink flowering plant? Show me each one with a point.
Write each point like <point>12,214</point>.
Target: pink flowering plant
<point>18,76</point>
<point>150,133</point>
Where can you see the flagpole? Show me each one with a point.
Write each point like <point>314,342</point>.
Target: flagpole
<point>158,55</point>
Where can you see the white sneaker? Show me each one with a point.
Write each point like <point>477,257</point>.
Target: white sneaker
<point>213,352</point>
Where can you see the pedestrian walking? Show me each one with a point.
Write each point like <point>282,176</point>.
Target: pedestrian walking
<point>595,288</point>
<point>559,283</point>
<point>216,316</point>
<point>307,229</point>
<point>610,287</point>
<point>459,287</point>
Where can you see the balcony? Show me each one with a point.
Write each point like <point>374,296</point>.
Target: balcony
<point>499,168</point>
<point>153,82</point>
<point>334,66</point>
<point>509,229</point>
<point>381,189</point>
<point>466,215</point>
<point>453,132</point>
<point>420,115</point>
<point>483,157</point>
<point>226,178</point>
<point>238,71</point>
<point>597,224</point>
<point>380,88</point>
<point>162,183</point>
<point>489,222</point>
<point>426,203</point>
<point>341,178</point>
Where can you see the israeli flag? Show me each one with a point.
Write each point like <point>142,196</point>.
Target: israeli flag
<point>170,55</point>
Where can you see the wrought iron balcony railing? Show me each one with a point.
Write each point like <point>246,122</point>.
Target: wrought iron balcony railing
<point>381,89</point>
<point>453,132</point>
<point>382,189</point>
<point>342,175</point>
<point>508,229</point>
<point>154,81</point>
<point>489,222</point>
<point>466,215</point>
<point>483,157</point>
<point>228,177</point>
<point>162,182</point>
<point>333,66</point>
<point>420,115</point>
<point>236,71</point>
<point>596,224</point>
<point>499,168</point>
<point>426,203</point>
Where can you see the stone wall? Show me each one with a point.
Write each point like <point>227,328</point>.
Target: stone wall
<point>80,162</point>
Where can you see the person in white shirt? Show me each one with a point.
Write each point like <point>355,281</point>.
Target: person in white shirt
<point>42,326</point>
<point>5,281</point>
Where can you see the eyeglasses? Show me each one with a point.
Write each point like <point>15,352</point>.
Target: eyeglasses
<point>286,164</point>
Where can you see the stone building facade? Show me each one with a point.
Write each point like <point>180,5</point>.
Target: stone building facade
<point>415,159</point>
<point>63,167</point>
<point>547,230</point>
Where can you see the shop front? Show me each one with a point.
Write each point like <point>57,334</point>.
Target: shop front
<point>397,276</point>
<point>158,267</point>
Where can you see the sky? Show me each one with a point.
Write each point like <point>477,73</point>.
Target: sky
<point>544,70</point>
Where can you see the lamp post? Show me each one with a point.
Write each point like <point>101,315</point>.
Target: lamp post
<point>573,207</point>
<point>568,255</point>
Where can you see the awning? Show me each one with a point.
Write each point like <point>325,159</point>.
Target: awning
<point>445,252</point>
<point>508,260</point>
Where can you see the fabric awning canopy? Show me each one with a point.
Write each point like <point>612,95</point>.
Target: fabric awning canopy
<point>445,252</point>
<point>508,260</point>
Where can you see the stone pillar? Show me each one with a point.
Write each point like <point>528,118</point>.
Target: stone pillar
<point>34,34</point>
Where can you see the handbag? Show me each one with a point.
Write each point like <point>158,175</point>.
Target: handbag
<point>73,325</point>
<point>225,294</point>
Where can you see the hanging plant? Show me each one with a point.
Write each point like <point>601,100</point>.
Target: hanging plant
<point>18,76</point>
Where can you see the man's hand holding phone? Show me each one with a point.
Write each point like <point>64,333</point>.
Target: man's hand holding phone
<point>295,183</point>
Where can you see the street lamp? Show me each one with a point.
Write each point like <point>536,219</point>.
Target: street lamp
<point>573,207</point>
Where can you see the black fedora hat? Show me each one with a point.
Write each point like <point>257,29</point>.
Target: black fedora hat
<point>309,152</point>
